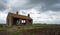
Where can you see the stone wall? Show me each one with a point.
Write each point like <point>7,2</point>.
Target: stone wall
<point>28,22</point>
<point>9,21</point>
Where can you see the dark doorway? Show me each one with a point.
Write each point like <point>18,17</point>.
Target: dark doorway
<point>15,21</point>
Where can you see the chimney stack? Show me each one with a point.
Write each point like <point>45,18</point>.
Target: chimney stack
<point>28,15</point>
<point>17,12</point>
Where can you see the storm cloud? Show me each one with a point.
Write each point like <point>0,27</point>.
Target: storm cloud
<point>45,11</point>
<point>42,5</point>
<point>49,4</point>
<point>3,5</point>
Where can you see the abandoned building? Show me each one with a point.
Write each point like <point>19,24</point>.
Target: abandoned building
<point>16,19</point>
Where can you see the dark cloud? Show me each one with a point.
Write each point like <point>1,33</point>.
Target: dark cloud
<point>2,5</point>
<point>48,4</point>
<point>45,5</point>
<point>33,5</point>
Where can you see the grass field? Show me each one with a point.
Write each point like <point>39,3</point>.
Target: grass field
<point>33,25</point>
<point>44,25</point>
<point>4,26</point>
<point>24,28</point>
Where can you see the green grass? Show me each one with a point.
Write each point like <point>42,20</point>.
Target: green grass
<point>44,25</point>
<point>24,28</point>
<point>4,26</point>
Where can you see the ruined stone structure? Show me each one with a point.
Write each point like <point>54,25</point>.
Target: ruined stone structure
<point>16,19</point>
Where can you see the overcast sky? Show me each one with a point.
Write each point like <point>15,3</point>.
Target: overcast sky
<point>41,11</point>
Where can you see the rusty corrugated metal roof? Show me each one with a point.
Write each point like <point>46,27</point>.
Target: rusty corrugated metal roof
<point>19,16</point>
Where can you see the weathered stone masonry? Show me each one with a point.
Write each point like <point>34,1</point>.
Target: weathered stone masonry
<point>16,19</point>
